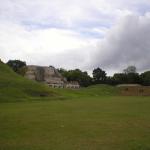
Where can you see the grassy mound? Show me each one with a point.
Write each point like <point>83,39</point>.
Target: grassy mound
<point>14,87</point>
<point>91,91</point>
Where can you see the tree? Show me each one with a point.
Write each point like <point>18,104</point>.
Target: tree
<point>99,76</point>
<point>120,78</point>
<point>63,72</point>
<point>133,78</point>
<point>110,81</point>
<point>130,69</point>
<point>22,71</point>
<point>145,78</point>
<point>130,78</point>
<point>17,65</point>
<point>76,75</point>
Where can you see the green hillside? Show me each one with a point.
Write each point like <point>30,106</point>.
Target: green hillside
<point>14,87</point>
<point>91,91</point>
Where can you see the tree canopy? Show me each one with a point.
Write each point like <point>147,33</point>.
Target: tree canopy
<point>99,75</point>
<point>145,78</point>
<point>76,75</point>
<point>130,69</point>
<point>17,65</point>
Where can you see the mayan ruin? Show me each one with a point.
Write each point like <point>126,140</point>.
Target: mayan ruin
<point>50,76</point>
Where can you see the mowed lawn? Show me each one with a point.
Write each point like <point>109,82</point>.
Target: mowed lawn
<point>99,123</point>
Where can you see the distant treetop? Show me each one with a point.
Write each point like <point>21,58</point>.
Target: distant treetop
<point>130,69</point>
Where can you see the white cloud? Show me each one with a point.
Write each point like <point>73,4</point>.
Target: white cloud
<point>127,43</point>
<point>65,32</point>
<point>66,12</point>
<point>41,46</point>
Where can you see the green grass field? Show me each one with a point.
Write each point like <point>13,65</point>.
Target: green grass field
<point>36,117</point>
<point>102,123</point>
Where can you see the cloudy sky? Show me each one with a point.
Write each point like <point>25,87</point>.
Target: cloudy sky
<point>85,34</point>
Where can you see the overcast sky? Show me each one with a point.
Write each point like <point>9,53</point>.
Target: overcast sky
<point>85,34</point>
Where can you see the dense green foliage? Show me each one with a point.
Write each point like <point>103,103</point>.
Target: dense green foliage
<point>18,66</point>
<point>129,76</point>
<point>145,78</point>
<point>99,76</point>
<point>122,78</point>
<point>76,75</point>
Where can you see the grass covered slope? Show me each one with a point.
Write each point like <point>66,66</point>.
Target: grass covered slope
<point>91,91</point>
<point>14,87</point>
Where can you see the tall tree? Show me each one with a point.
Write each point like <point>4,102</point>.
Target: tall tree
<point>17,65</point>
<point>76,75</point>
<point>99,75</point>
<point>130,69</point>
<point>123,78</point>
<point>120,78</point>
<point>145,77</point>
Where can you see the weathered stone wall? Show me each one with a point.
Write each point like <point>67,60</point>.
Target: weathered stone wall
<point>72,85</point>
<point>44,74</point>
<point>50,76</point>
<point>39,74</point>
<point>31,72</point>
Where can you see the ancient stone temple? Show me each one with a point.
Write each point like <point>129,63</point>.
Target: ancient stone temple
<point>50,76</point>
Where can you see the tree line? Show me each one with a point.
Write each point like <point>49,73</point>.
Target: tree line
<point>99,76</point>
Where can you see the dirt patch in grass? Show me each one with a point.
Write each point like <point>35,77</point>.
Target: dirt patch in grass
<point>135,90</point>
